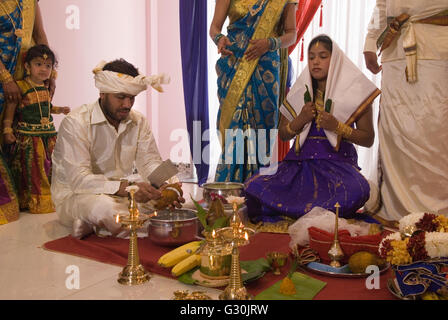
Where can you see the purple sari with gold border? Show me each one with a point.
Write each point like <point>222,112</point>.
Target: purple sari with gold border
<point>318,176</point>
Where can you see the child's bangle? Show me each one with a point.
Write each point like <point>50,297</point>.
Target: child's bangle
<point>7,130</point>
<point>56,110</point>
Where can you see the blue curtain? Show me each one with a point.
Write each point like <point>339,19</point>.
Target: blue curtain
<point>193,41</point>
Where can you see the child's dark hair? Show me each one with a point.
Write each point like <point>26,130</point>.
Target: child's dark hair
<point>39,51</point>
<point>121,66</point>
<point>325,40</point>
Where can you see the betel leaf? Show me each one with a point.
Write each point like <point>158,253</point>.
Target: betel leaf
<point>202,215</point>
<point>187,277</point>
<point>328,105</point>
<point>307,95</point>
<point>259,265</point>
<point>293,268</point>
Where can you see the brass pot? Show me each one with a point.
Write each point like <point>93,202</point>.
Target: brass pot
<point>216,259</point>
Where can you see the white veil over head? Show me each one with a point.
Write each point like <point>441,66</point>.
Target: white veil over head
<point>348,89</point>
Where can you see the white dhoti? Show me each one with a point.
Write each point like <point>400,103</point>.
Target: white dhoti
<point>83,212</point>
<point>413,139</point>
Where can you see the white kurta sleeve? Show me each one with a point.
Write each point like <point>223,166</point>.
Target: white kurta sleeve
<point>376,26</point>
<point>75,159</point>
<point>148,156</point>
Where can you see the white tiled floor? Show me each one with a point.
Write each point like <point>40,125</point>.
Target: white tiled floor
<point>27,271</point>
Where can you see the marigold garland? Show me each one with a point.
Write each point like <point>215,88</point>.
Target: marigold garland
<point>428,241</point>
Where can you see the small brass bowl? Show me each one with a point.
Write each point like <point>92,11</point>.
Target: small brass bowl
<point>277,260</point>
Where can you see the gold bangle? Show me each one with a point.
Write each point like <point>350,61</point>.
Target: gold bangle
<point>56,110</point>
<point>7,122</point>
<point>7,130</point>
<point>343,130</point>
<point>5,77</point>
<point>289,130</point>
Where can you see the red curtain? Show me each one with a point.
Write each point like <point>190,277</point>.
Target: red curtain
<point>305,13</point>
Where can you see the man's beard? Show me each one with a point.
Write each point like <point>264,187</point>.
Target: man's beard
<point>106,107</point>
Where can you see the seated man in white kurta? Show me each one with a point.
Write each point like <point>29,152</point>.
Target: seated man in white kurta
<point>98,146</point>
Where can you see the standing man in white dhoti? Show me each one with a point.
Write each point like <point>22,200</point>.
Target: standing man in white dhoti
<point>97,147</point>
<point>412,37</point>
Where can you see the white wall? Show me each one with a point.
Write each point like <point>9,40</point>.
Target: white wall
<point>166,111</point>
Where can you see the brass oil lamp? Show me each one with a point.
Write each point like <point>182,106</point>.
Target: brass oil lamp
<point>133,273</point>
<point>236,235</point>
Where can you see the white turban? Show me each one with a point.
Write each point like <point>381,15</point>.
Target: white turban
<point>114,82</point>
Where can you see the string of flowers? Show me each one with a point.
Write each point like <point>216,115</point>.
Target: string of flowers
<point>428,241</point>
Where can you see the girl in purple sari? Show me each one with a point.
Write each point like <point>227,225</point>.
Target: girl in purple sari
<point>327,111</point>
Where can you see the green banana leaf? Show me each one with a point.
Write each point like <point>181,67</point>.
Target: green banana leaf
<point>306,287</point>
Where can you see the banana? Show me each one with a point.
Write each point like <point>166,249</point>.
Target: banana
<point>177,255</point>
<point>186,265</point>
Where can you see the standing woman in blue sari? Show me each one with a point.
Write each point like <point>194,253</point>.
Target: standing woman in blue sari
<point>20,27</point>
<point>251,75</point>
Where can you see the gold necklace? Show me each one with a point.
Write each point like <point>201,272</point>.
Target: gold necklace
<point>319,106</point>
<point>18,32</point>
<point>43,120</point>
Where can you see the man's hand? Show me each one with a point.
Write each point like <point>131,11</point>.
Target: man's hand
<point>145,192</point>
<point>371,60</point>
<point>177,203</point>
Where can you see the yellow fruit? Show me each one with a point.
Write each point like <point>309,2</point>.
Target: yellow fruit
<point>287,287</point>
<point>359,261</point>
<point>430,296</point>
<point>175,256</point>
<point>186,265</point>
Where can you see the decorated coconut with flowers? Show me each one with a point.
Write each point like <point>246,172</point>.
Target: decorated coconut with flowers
<point>419,254</point>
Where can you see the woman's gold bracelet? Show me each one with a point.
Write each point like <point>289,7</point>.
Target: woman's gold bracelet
<point>343,130</point>
<point>5,77</point>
